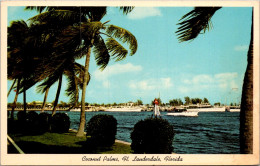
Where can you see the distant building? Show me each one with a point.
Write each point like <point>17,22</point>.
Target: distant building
<point>38,104</point>
<point>130,103</point>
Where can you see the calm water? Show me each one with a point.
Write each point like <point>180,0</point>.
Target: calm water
<point>209,133</point>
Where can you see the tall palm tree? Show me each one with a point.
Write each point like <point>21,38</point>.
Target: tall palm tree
<point>83,27</point>
<point>191,26</point>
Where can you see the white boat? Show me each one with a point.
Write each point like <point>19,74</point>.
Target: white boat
<point>211,109</point>
<point>235,110</point>
<point>184,113</point>
<point>87,109</point>
<point>124,109</point>
<point>214,109</point>
<point>75,109</point>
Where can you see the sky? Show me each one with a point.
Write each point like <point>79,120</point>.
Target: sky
<point>211,66</point>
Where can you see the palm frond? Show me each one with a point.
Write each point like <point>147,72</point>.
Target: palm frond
<point>48,70</point>
<point>58,18</point>
<point>124,36</point>
<point>116,50</point>
<point>16,33</point>
<point>37,8</point>
<point>72,86</point>
<point>90,29</point>
<point>76,38</point>
<point>44,87</point>
<point>100,51</point>
<point>197,20</point>
<point>93,13</point>
<point>86,31</point>
<point>79,70</point>
<point>127,9</point>
<point>49,81</point>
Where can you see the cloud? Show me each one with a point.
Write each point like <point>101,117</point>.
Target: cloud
<point>241,48</point>
<point>221,81</point>
<point>106,84</point>
<point>115,70</point>
<point>166,82</point>
<point>143,12</point>
<point>151,84</point>
<point>199,79</point>
<point>142,85</point>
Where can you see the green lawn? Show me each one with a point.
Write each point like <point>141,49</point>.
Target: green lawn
<point>65,143</point>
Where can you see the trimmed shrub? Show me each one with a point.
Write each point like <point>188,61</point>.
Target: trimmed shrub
<point>32,122</point>
<point>44,122</point>
<point>102,130</point>
<point>152,136</point>
<point>60,123</point>
<point>21,122</point>
<point>21,116</point>
<point>11,125</point>
<point>27,122</point>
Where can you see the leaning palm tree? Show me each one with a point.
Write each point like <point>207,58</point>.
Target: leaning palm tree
<point>191,25</point>
<point>103,49</point>
<point>20,55</point>
<point>83,32</point>
<point>74,73</point>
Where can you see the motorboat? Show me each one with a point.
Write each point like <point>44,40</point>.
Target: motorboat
<point>183,112</point>
<point>123,109</point>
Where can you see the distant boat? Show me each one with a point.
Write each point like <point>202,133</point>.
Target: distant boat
<point>183,112</point>
<point>211,109</point>
<point>215,109</point>
<point>233,109</point>
<point>124,109</point>
<point>87,109</point>
<point>75,109</point>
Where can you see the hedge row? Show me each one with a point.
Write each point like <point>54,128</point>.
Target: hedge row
<point>152,135</point>
<point>34,123</point>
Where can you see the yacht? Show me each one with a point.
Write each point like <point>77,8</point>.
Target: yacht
<point>183,112</point>
<point>123,109</point>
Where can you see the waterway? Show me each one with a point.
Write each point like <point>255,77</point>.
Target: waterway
<point>209,133</point>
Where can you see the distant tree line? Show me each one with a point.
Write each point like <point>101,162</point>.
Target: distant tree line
<point>172,102</point>
<point>188,101</point>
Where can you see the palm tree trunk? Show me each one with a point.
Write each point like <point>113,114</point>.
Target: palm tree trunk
<point>57,96</point>
<point>82,123</point>
<point>246,113</point>
<point>24,100</point>
<point>15,99</point>
<point>45,98</point>
<point>11,87</point>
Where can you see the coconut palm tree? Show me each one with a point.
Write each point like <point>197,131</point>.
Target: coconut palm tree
<point>191,25</point>
<point>25,56</point>
<point>20,56</point>
<point>22,62</point>
<point>74,73</point>
<point>82,31</point>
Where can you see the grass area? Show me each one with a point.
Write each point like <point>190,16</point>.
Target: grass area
<point>117,148</point>
<point>64,143</point>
